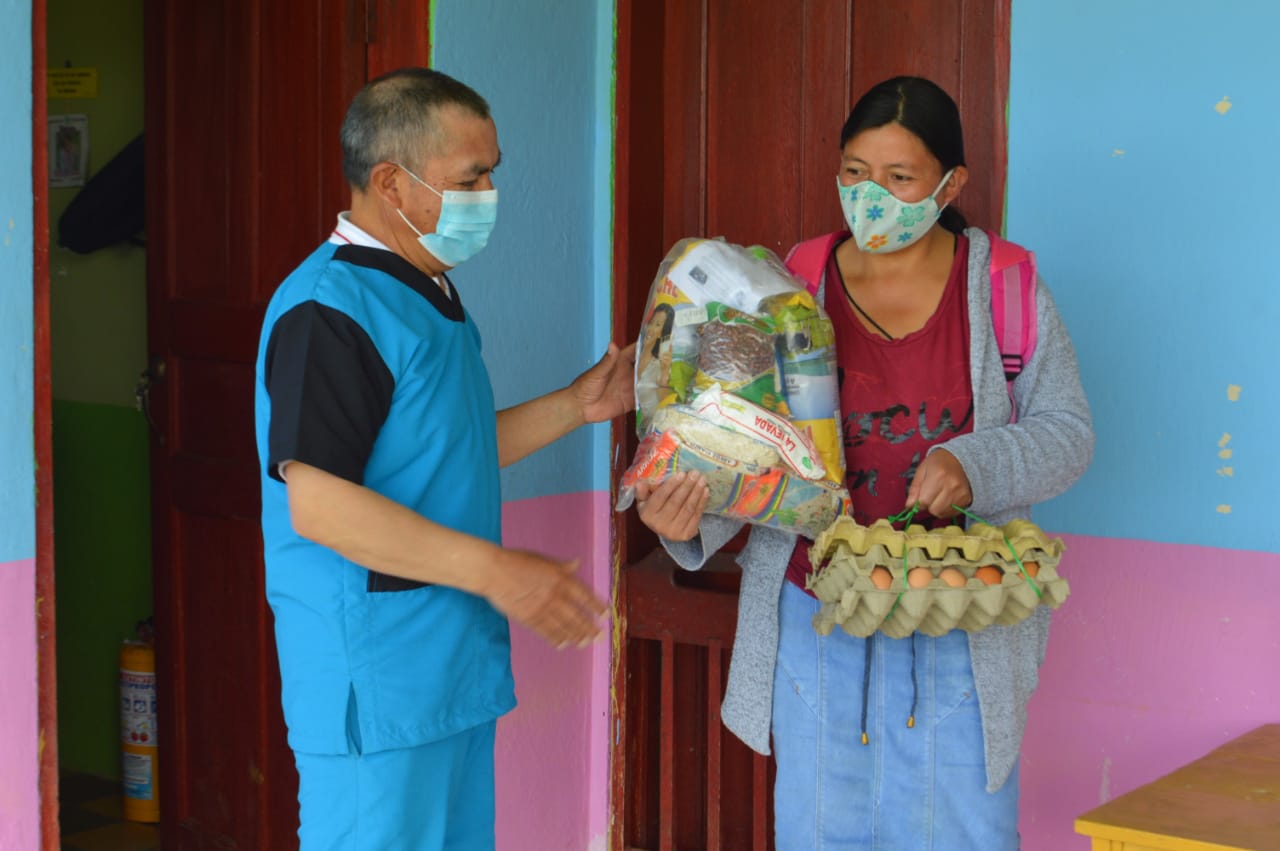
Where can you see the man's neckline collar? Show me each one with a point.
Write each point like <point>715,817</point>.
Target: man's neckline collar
<point>449,305</point>
<point>346,232</point>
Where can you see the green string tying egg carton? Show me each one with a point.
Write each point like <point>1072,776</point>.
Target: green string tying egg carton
<point>878,578</point>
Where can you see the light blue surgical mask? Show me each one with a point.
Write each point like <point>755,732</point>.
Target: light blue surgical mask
<point>466,220</point>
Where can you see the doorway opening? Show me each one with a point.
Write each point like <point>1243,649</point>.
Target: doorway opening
<point>157,505</point>
<point>98,345</point>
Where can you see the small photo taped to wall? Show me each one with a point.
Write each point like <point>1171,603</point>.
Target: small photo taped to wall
<point>68,150</point>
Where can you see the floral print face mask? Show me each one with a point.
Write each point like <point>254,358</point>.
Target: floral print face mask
<point>880,222</point>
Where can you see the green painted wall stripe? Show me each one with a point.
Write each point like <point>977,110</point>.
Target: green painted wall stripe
<point>102,570</point>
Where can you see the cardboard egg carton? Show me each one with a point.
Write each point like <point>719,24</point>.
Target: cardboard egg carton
<point>847,553</point>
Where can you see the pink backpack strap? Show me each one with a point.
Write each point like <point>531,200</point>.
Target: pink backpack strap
<point>808,259</point>
<point>1013,293</point>
<point>1013,304</point>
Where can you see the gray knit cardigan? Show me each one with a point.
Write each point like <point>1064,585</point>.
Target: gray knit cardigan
<point>1010,468</point>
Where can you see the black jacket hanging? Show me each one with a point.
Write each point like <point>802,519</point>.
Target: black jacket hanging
<point>111,208</point>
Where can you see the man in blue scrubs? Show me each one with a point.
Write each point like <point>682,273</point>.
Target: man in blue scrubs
<point>381,512</point>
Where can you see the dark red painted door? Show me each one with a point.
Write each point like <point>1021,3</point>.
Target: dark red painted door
<point>244,101</point>
<point>729,114</point>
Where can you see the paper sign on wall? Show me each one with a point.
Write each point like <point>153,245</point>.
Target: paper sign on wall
<point>72,83</point>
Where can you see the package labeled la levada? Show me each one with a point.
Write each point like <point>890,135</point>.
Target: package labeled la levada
<point>736,380</point>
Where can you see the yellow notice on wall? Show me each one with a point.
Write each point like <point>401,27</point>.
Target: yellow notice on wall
<point>72,83</point>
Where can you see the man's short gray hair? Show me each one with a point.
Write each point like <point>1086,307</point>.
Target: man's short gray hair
<point>395,118</point>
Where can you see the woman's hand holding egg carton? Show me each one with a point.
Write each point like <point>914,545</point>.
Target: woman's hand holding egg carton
<point>879,578</point>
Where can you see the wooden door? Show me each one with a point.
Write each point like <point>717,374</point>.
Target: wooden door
<point>729,115</point>
<point>244,101</point>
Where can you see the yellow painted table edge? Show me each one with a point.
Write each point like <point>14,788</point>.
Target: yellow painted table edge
<point>1154,841</point>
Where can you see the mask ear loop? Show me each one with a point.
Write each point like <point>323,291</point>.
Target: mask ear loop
<point>420,180</point>
<point>400,212</point>
<point>405,218</point>
<point>941,184</point>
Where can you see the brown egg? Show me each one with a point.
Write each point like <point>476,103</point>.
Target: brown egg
<point>989,574</point>
<point>952,577</point>
<point>881,577</point>
<point>919,577</point>
<point>1032,567</point>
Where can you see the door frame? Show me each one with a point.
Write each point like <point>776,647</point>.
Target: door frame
<point>632,229</point>
<point>42,385</point>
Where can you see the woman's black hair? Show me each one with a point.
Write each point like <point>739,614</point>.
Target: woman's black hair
<point>926,110</point>
<point>668,320</point>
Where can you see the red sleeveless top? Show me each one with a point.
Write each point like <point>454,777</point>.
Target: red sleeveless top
<point>898,398</point>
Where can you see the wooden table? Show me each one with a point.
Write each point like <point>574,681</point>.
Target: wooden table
<point>1228,800</point>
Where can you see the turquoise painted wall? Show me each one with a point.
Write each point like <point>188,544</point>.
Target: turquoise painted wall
<point>17,452</point>
<point>98,327</point>
<point>541,291</point>
<point>1142,170</point>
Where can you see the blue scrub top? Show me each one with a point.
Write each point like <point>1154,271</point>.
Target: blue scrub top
<point>368,370</point>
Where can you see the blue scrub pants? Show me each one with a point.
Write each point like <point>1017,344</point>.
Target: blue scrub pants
<point>436,797</point>
<point>909,789</point>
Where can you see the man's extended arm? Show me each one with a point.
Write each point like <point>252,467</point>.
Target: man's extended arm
<point>601,393</point>
<point>380,534</point>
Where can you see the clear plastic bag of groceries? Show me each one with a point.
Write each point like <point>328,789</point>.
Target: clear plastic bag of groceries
<point>736,380</point>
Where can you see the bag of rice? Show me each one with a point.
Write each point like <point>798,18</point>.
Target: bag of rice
<point>736,379</point>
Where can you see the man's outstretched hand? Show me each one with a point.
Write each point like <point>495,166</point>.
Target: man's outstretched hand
<point>546,596</point>
<point>607,390</point>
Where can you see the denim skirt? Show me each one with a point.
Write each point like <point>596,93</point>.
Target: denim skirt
<point>919,781</point>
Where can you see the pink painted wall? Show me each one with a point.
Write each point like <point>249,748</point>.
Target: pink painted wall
<point>552,751</point>
<point>1161,653</point>
<point>19,758</point>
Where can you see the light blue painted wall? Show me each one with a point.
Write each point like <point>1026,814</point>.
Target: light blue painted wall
<point>540,291</point>
<point>604,122</point>
<point>1154,217</point>
<point>17,448</point>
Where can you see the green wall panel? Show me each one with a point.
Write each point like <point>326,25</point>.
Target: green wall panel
<point>102,567</point>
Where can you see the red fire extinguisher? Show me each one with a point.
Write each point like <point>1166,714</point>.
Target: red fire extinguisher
<point>139,750</point>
